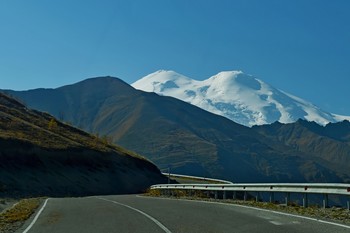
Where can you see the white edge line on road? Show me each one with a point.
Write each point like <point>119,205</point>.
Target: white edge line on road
<point>255,208</point>
<point>36,217</point>
<point>141,212</point>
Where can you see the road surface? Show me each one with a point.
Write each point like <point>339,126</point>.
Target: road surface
<point>132,213</point>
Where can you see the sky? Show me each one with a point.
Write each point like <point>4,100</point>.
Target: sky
<point>299,46</point>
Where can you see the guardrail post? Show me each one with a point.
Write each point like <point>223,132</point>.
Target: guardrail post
<point>272,197</point>
<point>224,195</point>
<point>245,195</point>
<point>257,196</point>
<point>234,195</point>
<point>287,198</point>
<point>208,194</point>
<point>325,201</point>
<point>216,194</point>
<point>305,200</point>
<point>348,204</point>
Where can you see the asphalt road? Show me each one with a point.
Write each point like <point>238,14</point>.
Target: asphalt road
<point>131,213</point>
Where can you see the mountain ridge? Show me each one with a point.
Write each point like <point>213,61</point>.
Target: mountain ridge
<point>186,138</point>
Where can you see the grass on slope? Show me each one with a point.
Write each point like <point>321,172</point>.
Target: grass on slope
<point>18,122</point>
<point>15,216</point>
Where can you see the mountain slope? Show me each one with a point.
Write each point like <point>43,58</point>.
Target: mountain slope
<point>328,144</point>
<point>237,96</point>
<point>42,156</point>
<point>175,134</point>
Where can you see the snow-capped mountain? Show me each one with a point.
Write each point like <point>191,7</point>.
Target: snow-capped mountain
<point>237,96</point>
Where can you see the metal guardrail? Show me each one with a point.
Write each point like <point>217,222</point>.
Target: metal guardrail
<point>303,188</point>
<point>341,189</point>
<point>197,178</point>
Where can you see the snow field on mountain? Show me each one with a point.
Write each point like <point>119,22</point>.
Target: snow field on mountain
<point>237,96</point>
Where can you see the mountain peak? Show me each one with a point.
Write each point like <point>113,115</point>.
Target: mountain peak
<point>238,96</point>
<point>95,85</point>
<point>165,71</point>
<point>235,79</point>
<point>101,79</point>
<point>229,73</point>
<point>162,80</point>
<point>166,74</point>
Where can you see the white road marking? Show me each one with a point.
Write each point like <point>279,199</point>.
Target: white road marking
<point>265,217</point>
<point>297,216</point>
<point>36,217</point>
<point>255,208</point>
<point>141,212</point>
<point>276,223</point>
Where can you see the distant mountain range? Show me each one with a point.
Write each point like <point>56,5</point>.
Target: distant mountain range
<point>237,96</point>
<point>41,156</point>
<point>190,140</point>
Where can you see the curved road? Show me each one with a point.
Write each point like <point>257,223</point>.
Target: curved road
<point>131,213</point>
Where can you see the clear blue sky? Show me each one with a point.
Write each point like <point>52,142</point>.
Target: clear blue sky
<point>299,46</point>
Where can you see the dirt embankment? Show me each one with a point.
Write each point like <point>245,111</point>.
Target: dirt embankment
<point>27,170</point>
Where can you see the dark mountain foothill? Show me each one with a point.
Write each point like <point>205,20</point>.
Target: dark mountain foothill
<point>189,140</point>
<point>40,156</point>
<point>327,145</point>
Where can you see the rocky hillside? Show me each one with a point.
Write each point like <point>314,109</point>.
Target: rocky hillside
<point>39,155</point>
